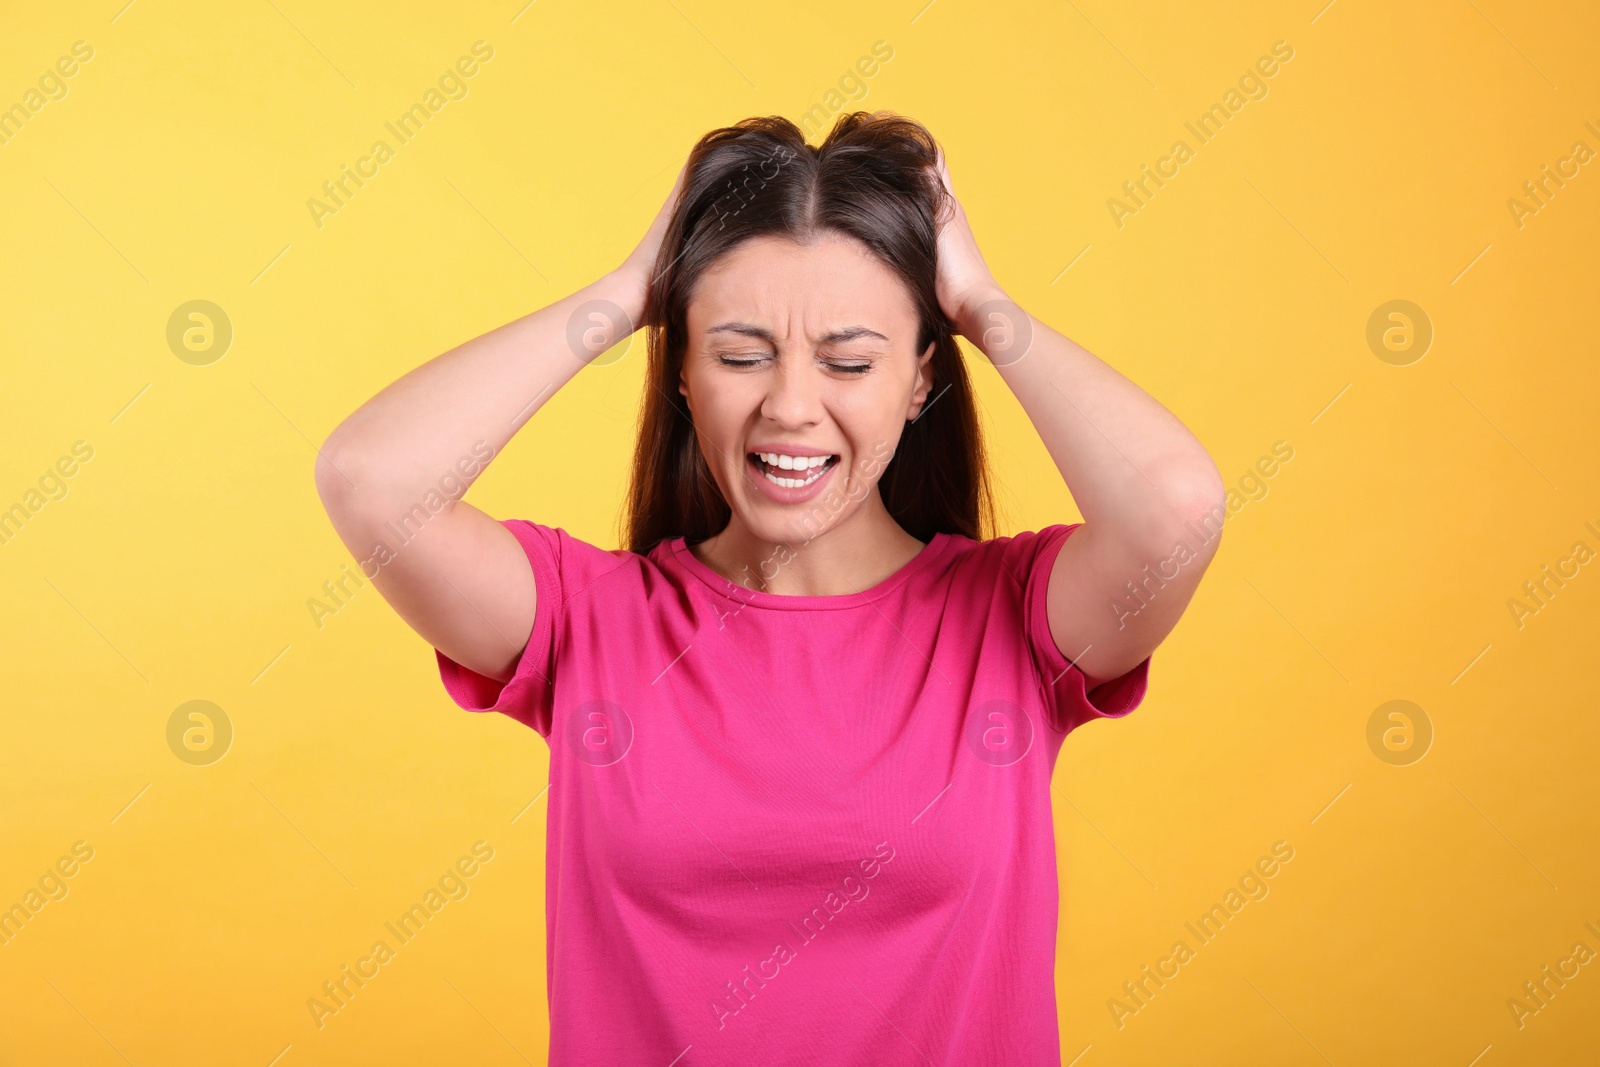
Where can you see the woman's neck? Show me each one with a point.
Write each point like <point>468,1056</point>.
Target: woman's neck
<point>850,555</point>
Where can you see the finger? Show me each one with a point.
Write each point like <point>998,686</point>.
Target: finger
<point>951,206</point>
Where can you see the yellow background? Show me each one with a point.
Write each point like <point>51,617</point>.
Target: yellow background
<point>1378,566</point>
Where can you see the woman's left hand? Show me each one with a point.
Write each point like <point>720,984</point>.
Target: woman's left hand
<point>963,281</point>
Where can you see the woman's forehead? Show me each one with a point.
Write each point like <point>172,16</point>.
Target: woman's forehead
<point>777,289</point>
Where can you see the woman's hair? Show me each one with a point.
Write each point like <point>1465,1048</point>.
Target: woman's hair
<point>872,179</point>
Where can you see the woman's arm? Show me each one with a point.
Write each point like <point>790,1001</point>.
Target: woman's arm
<point>391,474</point>
<point>1143,482</point>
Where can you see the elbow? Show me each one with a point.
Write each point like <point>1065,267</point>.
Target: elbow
<point>333,473</point>
<point>1197,501</point>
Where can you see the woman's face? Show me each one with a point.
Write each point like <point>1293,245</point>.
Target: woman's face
<point>805,354</point>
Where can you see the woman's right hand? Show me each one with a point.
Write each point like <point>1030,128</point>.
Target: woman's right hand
<point>467,587</point>
<point>638,270</point>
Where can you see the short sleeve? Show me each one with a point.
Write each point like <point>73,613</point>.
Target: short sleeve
<point>1068,703</point>
<point>563,567</point>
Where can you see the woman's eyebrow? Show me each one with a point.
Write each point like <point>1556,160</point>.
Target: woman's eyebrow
<point>748,329</point>
<point>850,333</point>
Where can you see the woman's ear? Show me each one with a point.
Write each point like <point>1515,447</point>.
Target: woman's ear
<point>683,390</point>
<point>924,381</point>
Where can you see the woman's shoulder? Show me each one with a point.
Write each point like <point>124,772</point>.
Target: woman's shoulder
<point>571,566</point>
<point>1014,555</point>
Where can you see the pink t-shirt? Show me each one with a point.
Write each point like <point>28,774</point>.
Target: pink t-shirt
<point>798,829</point>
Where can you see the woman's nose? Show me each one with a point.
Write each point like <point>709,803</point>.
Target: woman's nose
<point>794,395</point>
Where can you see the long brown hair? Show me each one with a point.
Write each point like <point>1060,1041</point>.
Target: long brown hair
<point>871,179</point>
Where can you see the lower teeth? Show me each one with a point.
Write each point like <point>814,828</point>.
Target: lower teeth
<point>797,483</point>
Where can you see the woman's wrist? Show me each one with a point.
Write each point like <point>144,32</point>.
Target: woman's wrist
<point>974,301</point>
<point>994,323</point>
<point>625,289</point>
<point>599,316</point>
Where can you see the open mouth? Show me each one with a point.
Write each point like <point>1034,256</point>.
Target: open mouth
<point>790,472</point>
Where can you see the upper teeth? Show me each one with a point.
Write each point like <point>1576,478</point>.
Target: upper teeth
<point>778,459</point>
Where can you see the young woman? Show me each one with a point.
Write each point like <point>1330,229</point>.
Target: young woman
<point>802,727</point>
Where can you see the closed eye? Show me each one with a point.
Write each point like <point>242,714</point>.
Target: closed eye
<point>751,361</point>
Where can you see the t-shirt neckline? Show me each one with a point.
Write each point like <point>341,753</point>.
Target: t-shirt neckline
<point>677,549</point>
